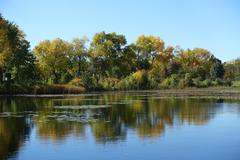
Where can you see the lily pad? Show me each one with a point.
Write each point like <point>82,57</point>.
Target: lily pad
<point>82,107</point>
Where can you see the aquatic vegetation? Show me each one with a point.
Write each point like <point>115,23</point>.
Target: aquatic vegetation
<point>82,107</point>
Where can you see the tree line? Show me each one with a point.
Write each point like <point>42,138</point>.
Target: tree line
<point>107,62</point>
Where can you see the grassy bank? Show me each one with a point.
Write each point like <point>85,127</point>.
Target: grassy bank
<point>67,90</point>
<point>211,92</point>
<point>41,89</point>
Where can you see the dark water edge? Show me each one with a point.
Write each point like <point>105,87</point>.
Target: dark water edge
<point>211,92</point>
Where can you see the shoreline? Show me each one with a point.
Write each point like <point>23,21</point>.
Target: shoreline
<point>211,92</point>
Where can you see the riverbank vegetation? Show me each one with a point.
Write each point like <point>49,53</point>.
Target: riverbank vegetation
<point>107,62</point>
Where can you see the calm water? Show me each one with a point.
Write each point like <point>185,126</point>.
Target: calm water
<point>119,126</point>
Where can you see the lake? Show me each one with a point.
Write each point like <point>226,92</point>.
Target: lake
<point>124,126</point>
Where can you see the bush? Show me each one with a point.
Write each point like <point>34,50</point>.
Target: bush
<point>228,83</point>
<point>217,82</point>
<point>65,78</point>
<point>170,82</point>
<point>121,84</point>
<point>57,89</point>
<point>14,89</point>
<point>181,83</point>
<point>187,81</point>
<point>91,82</point>
<point>127,83</point>
<point>201,84</point>
<point>40,89</point>
<point>109,83</point>
<point>152,82</point>
<point>206,83</point>
<point>137,80</point>
<point>140,79</point>
<point>236,84</point>
<point>76,82</point>
<point>197,82</point>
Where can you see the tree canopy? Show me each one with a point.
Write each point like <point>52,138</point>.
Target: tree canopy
<point>15,55</point>
<point>108,62</point>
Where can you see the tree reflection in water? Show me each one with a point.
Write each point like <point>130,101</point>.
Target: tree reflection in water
<point>13,134</point>
<point>147,115</point>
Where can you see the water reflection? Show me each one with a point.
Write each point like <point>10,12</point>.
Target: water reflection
<point>57,119</point>
<point>58,131</point>
<point>13,134</point>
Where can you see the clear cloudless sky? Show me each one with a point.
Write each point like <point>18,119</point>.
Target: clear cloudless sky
<point>210,24</point>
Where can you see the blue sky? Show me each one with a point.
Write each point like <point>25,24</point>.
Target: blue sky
<point>210,24</point>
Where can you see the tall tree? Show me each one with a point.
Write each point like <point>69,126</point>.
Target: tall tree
<point>15,55</point>
<point>147,48</point>
<point>53,59</point>
<point>79,56</point>
<point>232,70</point>
<point>196,61</point>
<point>217,69</point>
<point>106,51</point>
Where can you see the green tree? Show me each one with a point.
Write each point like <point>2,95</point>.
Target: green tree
<point>164,64</point>
<point>106,51</point>
<point>217,69</point>
<point>53,59</point>
<point>232,70</point>
<point>15,55</point>
<point>147,48</point>
<point>78,56</point>
<point>196,61</point>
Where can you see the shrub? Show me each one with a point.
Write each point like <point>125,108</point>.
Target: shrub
<point>109,83</point>
<point>217,82</point>
<point>91,82</point>
<point>121,84</point>
<point>187,81</point>
<point>197,82</point>
<point>236,84</point>
<point>201,84</point>
<point>170,82</point>
<point>76,82</point>
<point>127,83</point>
<point>228,83</point>
<point>206,83</point>
<point>65,77</point>
<point>57,89</point>
<point>14,89</point>
<point>181,83</point>
<point>137,80</point>
<point>152,82</point>
<point>220,82</point>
